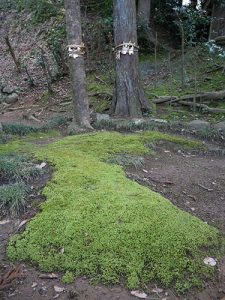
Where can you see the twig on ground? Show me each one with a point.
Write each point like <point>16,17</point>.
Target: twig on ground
<point>205,188</point>
<point>10,276</point>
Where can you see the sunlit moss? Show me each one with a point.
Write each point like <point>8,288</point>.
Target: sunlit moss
<point>108,226</point>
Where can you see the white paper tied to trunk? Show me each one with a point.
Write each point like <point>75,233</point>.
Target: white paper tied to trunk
<point>125,48</point>
<point>76,51</point>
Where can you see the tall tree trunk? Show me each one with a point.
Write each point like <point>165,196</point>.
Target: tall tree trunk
<point>129,99</point>
<point>144,9</point>
<point>217,27</point>
<point>76,63</point>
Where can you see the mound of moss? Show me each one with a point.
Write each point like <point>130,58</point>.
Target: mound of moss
<point>97,222</point>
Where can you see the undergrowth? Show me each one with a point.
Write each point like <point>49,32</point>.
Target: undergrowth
<point>98,223</point>
<point>13,198</point>
<point>17,168</point>
<point>24,129</point>
<point>16,172</point>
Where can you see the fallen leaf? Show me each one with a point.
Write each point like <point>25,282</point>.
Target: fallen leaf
<point>209,261</point>
<point>58,289</point>
<point>34,284</point>
<point>139,294</point>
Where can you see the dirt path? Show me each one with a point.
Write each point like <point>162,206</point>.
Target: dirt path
<point>195,183</point>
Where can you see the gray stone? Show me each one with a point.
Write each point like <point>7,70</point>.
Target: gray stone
<point>102,117</point>
<point>2,98</point>
<point>13,98</point>
<point>220,126</point>
<point>138,121</point>
<point>9,89</point>
<point>159,121</point>
<point>1,128</point>
<point>199,125</point>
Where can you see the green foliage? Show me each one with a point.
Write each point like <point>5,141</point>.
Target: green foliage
<point>194,23</point>
<point>126,160</point>
<point>23,129</point>
<point>55,38</point>
<point>207,79</point>
<point>13,198</point>
<point>3,138</point>
<point>43,9</point>
<point>17,168</point>
<point>19,129</point>
<point>109,227</point>
<point>68,278</point>
<point>104,7</point>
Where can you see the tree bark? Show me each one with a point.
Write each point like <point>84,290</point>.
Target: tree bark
<point>77,68</point>
<point>129,99</point>
<point>217,26</point>
<point>144,10</point>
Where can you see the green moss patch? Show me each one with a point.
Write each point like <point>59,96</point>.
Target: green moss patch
<point>97,222</point>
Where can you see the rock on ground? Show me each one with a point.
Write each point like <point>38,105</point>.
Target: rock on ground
<point>199,125</point>
<point>9,89</point>
<point>220,126</point>
<point>13,98</point>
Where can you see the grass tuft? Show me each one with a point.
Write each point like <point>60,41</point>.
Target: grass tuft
<point>68,278</point>
<point>21,129</point>
<point>126,160</point>
<point>13,198</point>
<point>17,168</point>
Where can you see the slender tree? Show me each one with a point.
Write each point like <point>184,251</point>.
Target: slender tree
<point>129,99</point>
<point>76,63</point>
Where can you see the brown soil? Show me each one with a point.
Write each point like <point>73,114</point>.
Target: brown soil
<point>193,182</point>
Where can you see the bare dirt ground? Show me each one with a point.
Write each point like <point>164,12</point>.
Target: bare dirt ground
<point>193,182</point>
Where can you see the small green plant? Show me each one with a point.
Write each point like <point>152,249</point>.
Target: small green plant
<point>127,160</point>
<point>13,199</point>
<point>3,139</point>
<point>19,129</point>
<point>17,168</point>
<point>68,277</point>
<point>23,129</point>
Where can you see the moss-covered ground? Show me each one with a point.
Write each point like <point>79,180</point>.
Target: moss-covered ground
<point>97,222</point>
